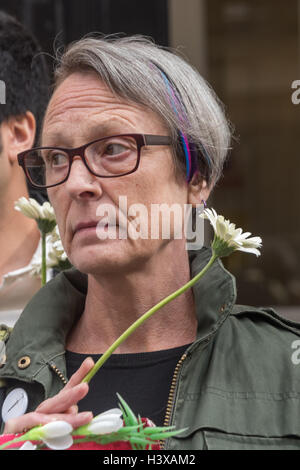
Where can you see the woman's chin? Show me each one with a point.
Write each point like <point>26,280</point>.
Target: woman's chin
<point>97,261</point>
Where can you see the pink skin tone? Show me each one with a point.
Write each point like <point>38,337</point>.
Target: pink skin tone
<point>19,235</point>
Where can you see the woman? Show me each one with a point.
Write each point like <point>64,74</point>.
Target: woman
<point>128,119</point>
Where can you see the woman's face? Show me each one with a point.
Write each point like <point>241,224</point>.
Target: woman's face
<point>83,109</point>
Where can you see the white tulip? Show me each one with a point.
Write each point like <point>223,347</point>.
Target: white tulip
<point>59,443</point>
<point>107,422</point>
<point>28,446</point>
<point>56,429</point>
<point>112,412</point>
<point>56,435</point>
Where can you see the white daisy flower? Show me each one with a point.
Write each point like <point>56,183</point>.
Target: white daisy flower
<point>55,254</point>
<point>43,214</point>
<point>228,238</point>
<point>32,209</point>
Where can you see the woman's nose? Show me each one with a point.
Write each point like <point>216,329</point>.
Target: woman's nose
<point>81,182</point>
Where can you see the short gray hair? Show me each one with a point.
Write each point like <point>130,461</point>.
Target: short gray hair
<point>136,69</point>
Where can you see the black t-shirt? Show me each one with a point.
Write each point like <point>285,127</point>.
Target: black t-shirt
<point>142,379</point>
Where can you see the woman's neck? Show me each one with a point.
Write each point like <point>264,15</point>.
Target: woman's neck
<point>113,304</point>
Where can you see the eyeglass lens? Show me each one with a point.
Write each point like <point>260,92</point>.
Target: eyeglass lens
<point>113,156</point>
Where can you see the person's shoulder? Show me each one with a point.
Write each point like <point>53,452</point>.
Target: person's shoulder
<point>263,340</point>
<point>257,351</point>
<point>264,329</point>
<point>265,318</point>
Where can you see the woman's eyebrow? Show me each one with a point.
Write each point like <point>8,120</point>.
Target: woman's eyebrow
<point>97,131</point>
<point>55,138</point>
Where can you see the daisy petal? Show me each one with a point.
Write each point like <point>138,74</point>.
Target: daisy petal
<point>254,251</point>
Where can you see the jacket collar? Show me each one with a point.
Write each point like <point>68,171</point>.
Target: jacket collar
<point>214,294</point>
<point>42,328</point>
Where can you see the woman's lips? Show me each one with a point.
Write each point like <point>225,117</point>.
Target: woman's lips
<point>86,230</point>
<point>102,229</point>
<point>85,226</point>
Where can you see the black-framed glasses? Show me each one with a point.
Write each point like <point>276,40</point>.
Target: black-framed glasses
<point>108,157</point>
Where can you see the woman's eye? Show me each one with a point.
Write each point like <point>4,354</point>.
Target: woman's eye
<point>57,159</point>
<point>115,149</point>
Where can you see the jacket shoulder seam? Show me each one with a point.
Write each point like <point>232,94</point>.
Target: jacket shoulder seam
<point>268,313</point>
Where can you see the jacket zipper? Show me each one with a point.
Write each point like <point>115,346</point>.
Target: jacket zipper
<point>59,373</point>
<point>170,402</point>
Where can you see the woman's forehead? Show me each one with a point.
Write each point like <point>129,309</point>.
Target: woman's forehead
<point>83,99</point>
<point>82,93</point>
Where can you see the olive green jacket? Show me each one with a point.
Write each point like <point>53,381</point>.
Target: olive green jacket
<point>236,387</point>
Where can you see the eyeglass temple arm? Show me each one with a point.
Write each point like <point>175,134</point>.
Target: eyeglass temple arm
<point>157,140</point>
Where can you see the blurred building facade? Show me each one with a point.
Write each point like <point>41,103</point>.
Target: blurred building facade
<point>249,51</point>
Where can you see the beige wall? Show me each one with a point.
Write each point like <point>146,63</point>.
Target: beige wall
<point>187,31</point>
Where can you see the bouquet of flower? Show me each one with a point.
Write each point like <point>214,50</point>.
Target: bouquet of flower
<point>106,431</point>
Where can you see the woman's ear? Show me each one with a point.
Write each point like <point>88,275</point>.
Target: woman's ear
<point>20,134</point>
<point>198,190</point>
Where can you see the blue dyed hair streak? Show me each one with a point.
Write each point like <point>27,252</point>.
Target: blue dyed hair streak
<point>189,148</point>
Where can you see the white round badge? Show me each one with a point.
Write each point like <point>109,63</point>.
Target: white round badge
<point>15,404</point>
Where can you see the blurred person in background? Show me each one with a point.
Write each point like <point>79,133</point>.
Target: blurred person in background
<point>24,73</point>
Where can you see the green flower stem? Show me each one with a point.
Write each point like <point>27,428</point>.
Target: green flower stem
<point>13,441</point>
<point>44,266</point>
<point>144,317</point>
